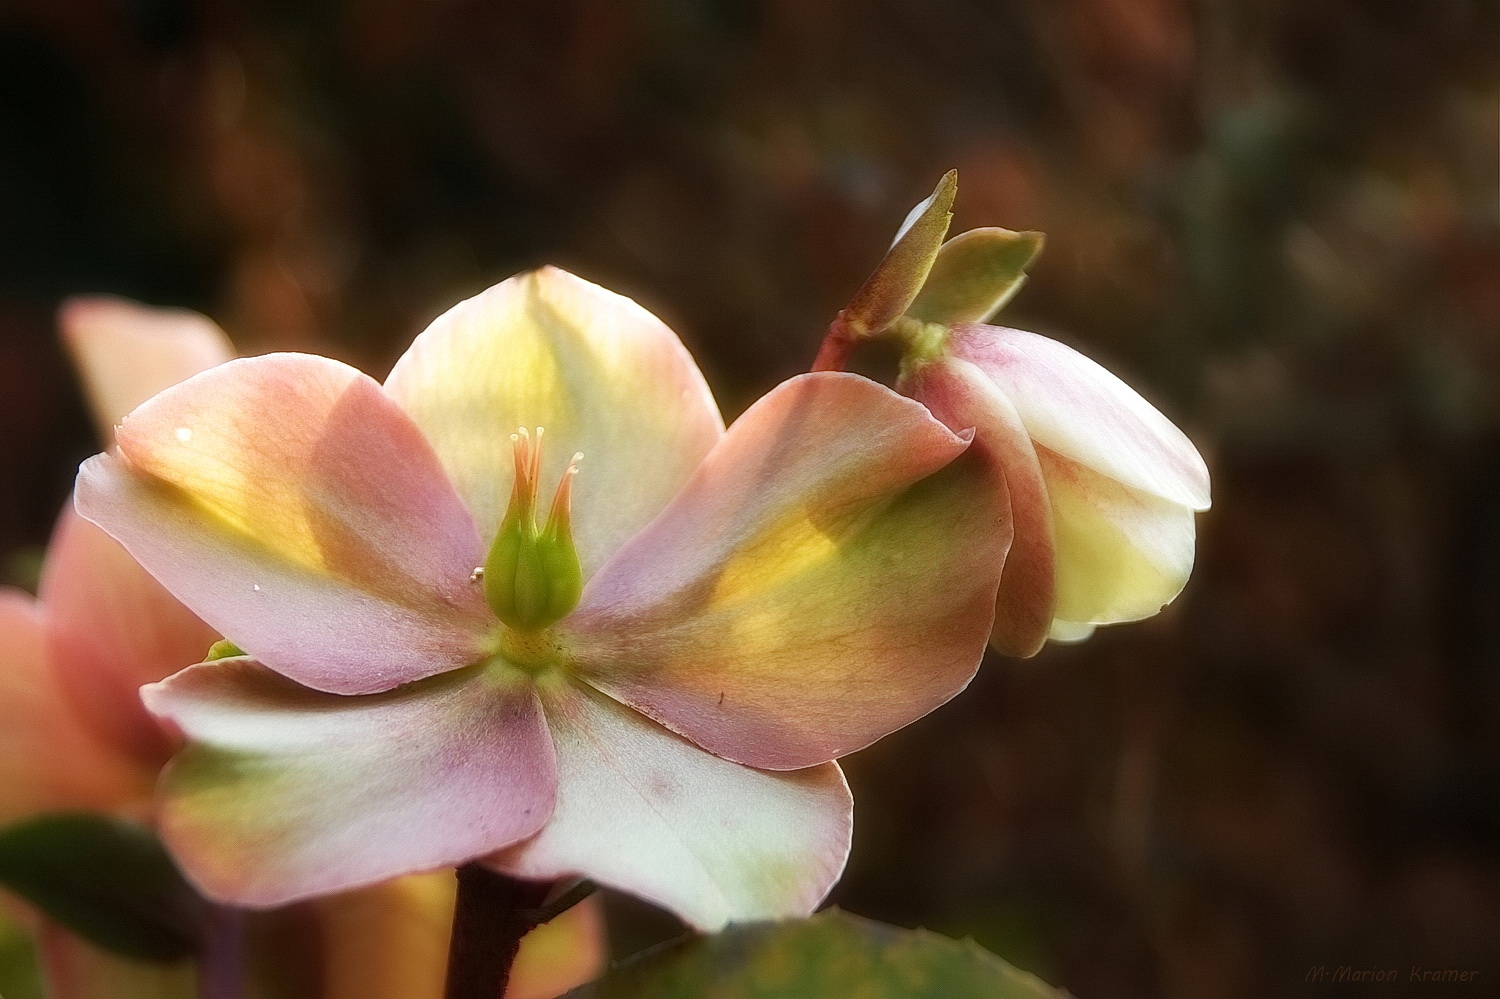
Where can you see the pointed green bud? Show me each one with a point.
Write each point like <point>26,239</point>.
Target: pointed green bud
<point>532,577</point>
<point>889,291</point>
<point>974,275</point>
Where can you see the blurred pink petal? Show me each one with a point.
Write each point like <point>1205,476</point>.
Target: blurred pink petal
<point>126,352</point>
<point>110,629</point>
<point>48,760</point>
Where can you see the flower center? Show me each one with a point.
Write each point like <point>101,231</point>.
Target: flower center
<point>532,577</point>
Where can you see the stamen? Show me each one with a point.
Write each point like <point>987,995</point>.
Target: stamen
<point>560,517</point>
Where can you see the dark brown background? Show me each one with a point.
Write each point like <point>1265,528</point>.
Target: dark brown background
<point>1279,219</point>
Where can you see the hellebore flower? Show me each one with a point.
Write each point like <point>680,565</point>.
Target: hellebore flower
<point>1102,487</point>
<point>74,735</point>
<point>420,689</point>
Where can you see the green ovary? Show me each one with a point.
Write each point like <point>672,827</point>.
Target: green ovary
<point>532,576</point>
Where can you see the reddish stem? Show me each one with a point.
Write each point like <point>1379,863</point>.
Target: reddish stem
<point>489,920</point>
<point>221,960</point>
<point>833,355</point>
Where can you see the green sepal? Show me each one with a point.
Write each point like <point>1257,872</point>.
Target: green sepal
<point>223,649</point>
<point>831,954</point>
<point>974,275</point>
<point>107,880</point>
<point>889,291</point>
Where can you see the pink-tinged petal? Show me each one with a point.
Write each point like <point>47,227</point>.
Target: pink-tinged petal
<point>48,761</point>
<point>1121,553</point>
<point>645,811</point>
<point>110,629</point>
<point>1076,408</point>
<point>959,394</point>
<point>599,373</point>
<point>295,508</point>
<point>390,941</point>
<point>75,969</point>
<point>286,793</point>
<point>813,588</point>
<point>127,352</point>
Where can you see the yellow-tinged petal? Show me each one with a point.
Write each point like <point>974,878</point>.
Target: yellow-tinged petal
<point>1121,553</point>
<point>292,505</point>
<point>128,352</point>
<point>1069,632</point>
<point>599,373</point>
<point>827,577</point>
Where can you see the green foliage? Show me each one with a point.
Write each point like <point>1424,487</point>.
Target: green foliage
<point>20,977</point>
<point>107,880</point>
<point>974,275</point>
<point>831,954</point>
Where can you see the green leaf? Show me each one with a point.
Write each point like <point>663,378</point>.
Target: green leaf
<point>975,274</point>
<point>888,292</point>
<point>831,954</point>
<point>107,880</point>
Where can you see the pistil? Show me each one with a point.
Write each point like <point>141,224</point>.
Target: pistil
<point>532,577</point>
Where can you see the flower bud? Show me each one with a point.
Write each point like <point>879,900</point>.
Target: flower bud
<point>896,281</point>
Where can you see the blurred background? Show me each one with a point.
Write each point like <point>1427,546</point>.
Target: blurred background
<point>1279,220</point>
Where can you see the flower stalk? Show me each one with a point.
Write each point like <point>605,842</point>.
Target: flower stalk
<point>493,913</point>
